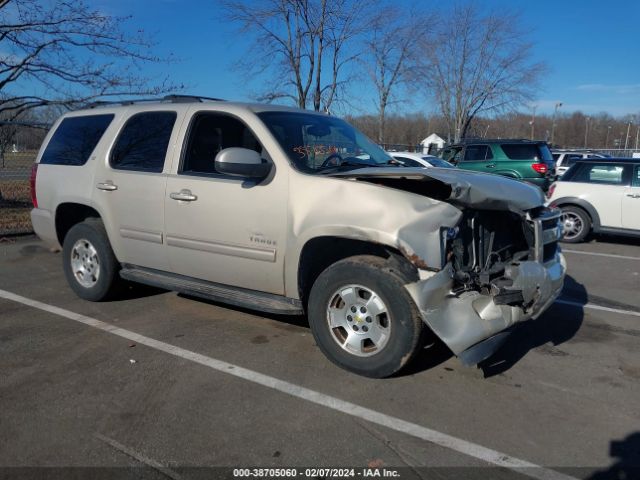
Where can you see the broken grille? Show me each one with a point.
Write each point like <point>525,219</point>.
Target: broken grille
<point>547,231</point>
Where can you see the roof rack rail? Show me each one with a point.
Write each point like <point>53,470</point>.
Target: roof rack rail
<point>167,98</point>
<point>496,140</point>
<point>190,98</point>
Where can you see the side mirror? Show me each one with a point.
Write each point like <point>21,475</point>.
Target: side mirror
<point>241,162</point>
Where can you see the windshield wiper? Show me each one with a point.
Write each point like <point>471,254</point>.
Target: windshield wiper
<point>348,165</point>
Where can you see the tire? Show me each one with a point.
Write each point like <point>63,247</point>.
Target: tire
<point>382,338</point>
<point>576,224</point>
<point>89,263</point>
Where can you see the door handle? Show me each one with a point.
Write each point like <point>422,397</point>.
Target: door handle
<point>491,165</point>
<point>183,196</point>
<point>633,195</point>
<point>107,186</point>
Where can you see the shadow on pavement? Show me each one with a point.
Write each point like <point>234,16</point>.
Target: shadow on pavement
<point>131,291</point>
<point>431,355</point>
<point>295,320</point>
<point>552,327</point>
<point>627,463</point>
<point>555,326</point>
<point>620,239</point>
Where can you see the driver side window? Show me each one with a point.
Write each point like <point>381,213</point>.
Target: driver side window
<point>209,133</point>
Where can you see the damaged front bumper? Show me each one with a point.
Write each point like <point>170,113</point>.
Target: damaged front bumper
<point>474,324</point>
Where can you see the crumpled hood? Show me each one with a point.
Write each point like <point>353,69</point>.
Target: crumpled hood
<point>468,189</point>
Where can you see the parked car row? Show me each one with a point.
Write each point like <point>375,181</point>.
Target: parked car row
<point>596,193</point>
<point>410,159</point>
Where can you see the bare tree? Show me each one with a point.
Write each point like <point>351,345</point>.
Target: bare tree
<point>479,64</point>
<point>294,40</point>
<point>7,136</point>
<point>390,50</point>
<point>67,53</point>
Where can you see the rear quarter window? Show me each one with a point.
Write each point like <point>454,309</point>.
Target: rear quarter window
<point>75,139</point>
<point>526,151</point>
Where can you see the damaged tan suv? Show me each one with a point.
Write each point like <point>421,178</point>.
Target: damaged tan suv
<point>289,211</point>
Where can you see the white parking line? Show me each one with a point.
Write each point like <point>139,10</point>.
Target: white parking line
<point>598,307</point>
<point>139,457</point>
<point>465,447</point>
<point>596,254</point>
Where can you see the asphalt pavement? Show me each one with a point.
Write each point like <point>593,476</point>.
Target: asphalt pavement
<point>174,387</point>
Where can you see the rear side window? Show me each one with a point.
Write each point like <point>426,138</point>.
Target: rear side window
<point>527,151</point>
<point>75,139</point>
<point>142,144</point>
<point>636,177</point>
<point>478,153</point>
<point>599,173</point>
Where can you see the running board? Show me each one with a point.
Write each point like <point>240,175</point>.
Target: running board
<point>241,297</point>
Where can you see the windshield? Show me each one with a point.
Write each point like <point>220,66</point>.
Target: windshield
<point>317,143</point>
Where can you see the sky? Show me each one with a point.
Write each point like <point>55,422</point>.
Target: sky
<point>592,49</point>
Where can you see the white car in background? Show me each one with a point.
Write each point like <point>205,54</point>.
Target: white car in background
<point>411,159</point>
<point>599,195</point>
<point>565,158</point>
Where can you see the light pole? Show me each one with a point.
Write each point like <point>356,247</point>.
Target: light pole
<point>637,136</point>
<point>553,124</point>
<point>586,131</point>
<point>533,121</point>
<point>606,141</point>
<point>626,139</point>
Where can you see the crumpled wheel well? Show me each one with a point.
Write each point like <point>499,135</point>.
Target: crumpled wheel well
<point>321,252</point>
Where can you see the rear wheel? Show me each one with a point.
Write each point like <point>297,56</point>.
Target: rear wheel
<point>89,263</point>
<point>576,224</point>
<point>362,317</point>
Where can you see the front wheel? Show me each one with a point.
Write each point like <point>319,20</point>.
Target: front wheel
<point>362,317</point>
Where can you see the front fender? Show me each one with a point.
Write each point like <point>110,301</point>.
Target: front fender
<point>364,211</point>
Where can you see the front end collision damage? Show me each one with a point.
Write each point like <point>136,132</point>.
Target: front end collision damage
<point>505,268</point>
<point>468,298</point>
<point>462,320</point>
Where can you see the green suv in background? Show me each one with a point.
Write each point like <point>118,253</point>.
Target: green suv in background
<point>526,160</point>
